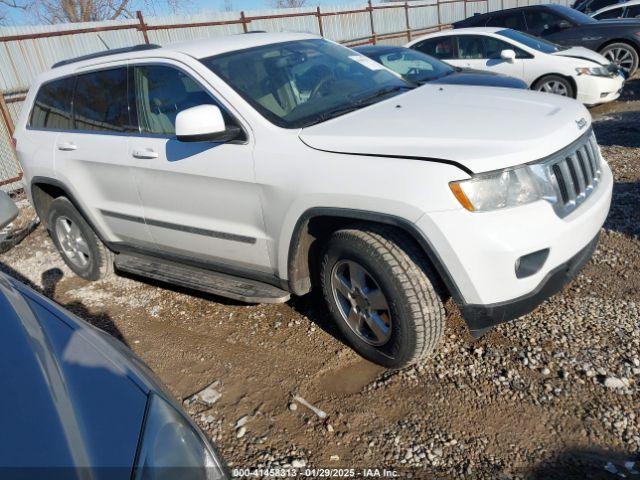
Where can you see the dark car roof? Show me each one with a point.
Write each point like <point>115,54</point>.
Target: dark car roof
<point>472,20</point>
<point>68,398</point>
<point>377,49</point>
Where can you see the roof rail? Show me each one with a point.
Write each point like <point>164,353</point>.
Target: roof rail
<point>136,48</point>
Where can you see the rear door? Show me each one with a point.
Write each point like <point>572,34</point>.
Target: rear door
<point>200,199</point>
<point>92,158</point>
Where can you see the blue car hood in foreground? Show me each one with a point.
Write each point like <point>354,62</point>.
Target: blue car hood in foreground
<point>480,78</point>
<point>68,400</point>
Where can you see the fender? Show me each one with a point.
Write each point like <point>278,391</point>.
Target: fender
<point>298,266</point>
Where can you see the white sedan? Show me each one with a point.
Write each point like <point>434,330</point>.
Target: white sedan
<point>629,9</point>
<point>573,72</point>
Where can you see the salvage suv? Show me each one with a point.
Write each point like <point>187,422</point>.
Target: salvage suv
<point>257,166</point>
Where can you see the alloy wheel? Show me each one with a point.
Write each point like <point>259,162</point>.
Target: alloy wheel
<point>72,242</point>
<point>621,57</point>
<point>362,304</point>
<point>554,86</point>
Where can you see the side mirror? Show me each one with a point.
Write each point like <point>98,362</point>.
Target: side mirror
<point>8,209</point>
<point>564,24</point>
<point>508,55</point>
<point>204,123</point>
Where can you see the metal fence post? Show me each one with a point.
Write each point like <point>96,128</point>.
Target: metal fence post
<point>143,26</point>
<point>373,30</point>
<point>6,116</point>
<point>320,21</point>
<point>406,17</point>
<point>243,19</point>
<point>438,10</point>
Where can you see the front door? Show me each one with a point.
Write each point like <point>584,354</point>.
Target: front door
<point>200,199</point>
<point>480,52</point>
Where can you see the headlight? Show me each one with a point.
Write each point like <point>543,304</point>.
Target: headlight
<point>172,448</point>
<point>595,71</point>
<point>504,188</point>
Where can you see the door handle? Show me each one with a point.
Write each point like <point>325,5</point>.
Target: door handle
<point>67,146</point>
<point>145,153</point>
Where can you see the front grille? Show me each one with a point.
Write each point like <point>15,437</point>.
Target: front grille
<point>575,173</point>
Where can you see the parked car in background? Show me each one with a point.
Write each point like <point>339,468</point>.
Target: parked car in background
<point>617,40</point>
<point>260,166</point>
<point>76,403</point>
<point>589,6</point>
<point>617,11</point>
<point>574,72</point>
<point>419,68</point>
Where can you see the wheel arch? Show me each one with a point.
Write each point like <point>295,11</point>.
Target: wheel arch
<point>611,41</point>
<point>315,225</point>
<point>570,79</point>
<point>45,190</point>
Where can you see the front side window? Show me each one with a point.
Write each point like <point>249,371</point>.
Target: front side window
<point>472,47</point>
<point>52,107</point>
<point>414,66</point>
<point>439,47</point>
<point>161,92</point>
<point>100,102</point>
<point>299,83</point>
<point>613,13</point>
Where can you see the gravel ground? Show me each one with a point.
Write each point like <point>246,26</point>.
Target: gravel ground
<point>554,395</point>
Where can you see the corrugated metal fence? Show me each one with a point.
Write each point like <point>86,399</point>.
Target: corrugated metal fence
<point>25,51</point>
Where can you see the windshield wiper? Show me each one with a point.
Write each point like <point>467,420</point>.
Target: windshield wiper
<point>368,99</point>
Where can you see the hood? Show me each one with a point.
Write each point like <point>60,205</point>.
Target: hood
<point>479,78</point>
<point>480,129</point>
<point>617,22</point>
<point>583,54</point>
<point>66,402</point>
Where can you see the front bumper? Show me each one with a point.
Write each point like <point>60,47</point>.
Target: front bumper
<point>594,90</point>
<point>478,252</point>
<point>481,317</point>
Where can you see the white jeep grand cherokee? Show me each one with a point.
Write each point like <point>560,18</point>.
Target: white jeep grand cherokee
<point>258,166</point>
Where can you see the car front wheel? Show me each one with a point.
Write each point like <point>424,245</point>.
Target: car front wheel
<point>380,291</point>
<point>555,84</point>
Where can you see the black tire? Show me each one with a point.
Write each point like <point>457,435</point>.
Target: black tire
<point>620,48</point>
<point>98,258</point>
<point>557,79</point>
<point>401,271</point>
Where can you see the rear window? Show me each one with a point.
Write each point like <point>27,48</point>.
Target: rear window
<point>52,108</point>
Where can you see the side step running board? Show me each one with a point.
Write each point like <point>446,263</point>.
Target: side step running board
<point>250,291</point>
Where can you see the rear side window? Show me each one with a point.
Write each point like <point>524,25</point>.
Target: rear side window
<point>100,102</point>
<point>439,47</point>
<point>52,108</point>
<point>633,12</point>
<point>508,20</point>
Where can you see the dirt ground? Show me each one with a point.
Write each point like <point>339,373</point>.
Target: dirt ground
<point>554,395</point>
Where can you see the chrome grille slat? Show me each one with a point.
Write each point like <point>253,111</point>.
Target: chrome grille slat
<point>576,171</point>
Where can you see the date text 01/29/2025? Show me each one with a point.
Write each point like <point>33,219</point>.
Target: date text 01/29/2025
<point>314,473</point>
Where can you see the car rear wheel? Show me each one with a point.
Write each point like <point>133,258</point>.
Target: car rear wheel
<point>80,248</point>
<point>380,291</point>
<point>623,55</point>
<point>555,84</point>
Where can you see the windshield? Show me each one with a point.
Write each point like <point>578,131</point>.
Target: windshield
<point>299,83</point>
<point>530,41</point>
<point>414,66</point>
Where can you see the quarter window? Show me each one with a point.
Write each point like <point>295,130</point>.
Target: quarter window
<point>439,47</point>
<point>161,93</point>
<point>100,102</point>
<point>52,107</point>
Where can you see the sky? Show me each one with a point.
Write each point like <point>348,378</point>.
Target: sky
<point>16,17</point>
